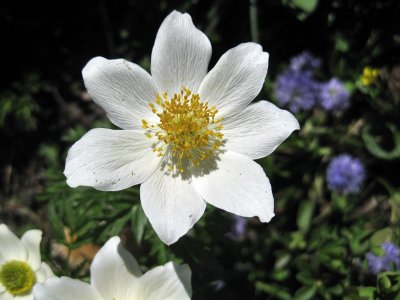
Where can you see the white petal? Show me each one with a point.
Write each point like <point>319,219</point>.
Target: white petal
<point>170,281</point>
<point>258,129</point>
<point>110,160</point>
<point>122,89</point>
<point>236,79</point>
<point>238,185</point>
<point>171,204</point>
<point>11,247</point>
<point>180,56</point>
<point>114,270</point>
<point>2,288</point>
<point>43,273</point>
<point>31,240</point>
<point>65,288</point>
<point>6,296</point>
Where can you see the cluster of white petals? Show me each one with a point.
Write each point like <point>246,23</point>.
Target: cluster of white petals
<point>189,137</point>
<point>20,264</point>
<point>115,275</point>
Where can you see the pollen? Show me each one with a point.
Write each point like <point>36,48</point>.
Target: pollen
<point>17,277</point>
<point>188,131</point>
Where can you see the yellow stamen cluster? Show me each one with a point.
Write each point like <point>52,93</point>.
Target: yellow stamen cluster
<point>188,129</point>
<point>17,277</point>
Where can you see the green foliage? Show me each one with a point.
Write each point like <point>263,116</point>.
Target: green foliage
<point>18,102</point>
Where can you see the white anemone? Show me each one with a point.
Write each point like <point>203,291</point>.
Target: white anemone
<point>20,264</point>
<point>189,137</point>
<point>115,275</point>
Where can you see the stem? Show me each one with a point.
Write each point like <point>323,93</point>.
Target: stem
<point>254,21</point>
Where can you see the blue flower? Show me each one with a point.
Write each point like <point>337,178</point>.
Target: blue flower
<point>333,96</point>
<point>387,262</point>
<point>304,62</point>
<point>296,89</point>
<point>345,174</point>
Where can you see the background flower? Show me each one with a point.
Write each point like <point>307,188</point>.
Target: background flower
<point>345,174</point>
<point>115,274</point>
<point>389,261</point>
<point>333,96</point>
<point>297,90</point>
<point>305,62</point>
<point>20,264</point>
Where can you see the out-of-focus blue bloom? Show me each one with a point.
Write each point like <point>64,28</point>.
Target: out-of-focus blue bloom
<point>218,284</point>
<point>304,62</point>
<point>333,96</point>
<point>345,174</point>
<point>238,228</point>
<point>239,225</point>
<point>296,89</point>
<point>390,261</point>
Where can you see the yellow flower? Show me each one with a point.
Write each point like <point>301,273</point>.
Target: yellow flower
<point>369,76</point>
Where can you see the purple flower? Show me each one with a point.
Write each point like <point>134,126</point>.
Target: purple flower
<point>333,96</point>
<point>345,174</point>
<point>304,62</point>
<point>386,262</point>
<point>297,90</point>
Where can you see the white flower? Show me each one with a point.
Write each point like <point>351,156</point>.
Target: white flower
<point>189,137</point>
<point>20,264</point>
<point>115,275</point>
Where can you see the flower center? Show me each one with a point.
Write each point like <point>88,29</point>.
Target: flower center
<point>187,132</point>
<point>17,277</point>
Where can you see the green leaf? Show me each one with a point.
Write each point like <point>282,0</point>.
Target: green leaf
<point>381,236</point>
<point>368,293</point>
<point>305,292</point>
<point>273,290</point>
<point>302,8</point>
<point>308,6</point>
<point>138,222</point>
<point>374,148</point>
<point>304,215</point>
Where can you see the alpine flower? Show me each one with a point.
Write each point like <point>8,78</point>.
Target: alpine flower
<point>389,261</point>
<point>304,62</point>
<point>115,274</point>
<point>20,264</point>
<point>369,76</point>
<point>345,174</point>
<point>333,96</point>
<point>189,137</point>
<point>297,89</point>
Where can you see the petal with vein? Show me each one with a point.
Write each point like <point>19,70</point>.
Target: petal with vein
<point>114,270</point>
<point>169,282</point>
<point>65,288</point>
<point>11,247</point>
<point>238,185</point>
<point>180,56</point>
<point>171,204</point>
<point>258,129</point>
<point>110,160</point>
<point>31,240</point>
<point>236,79</point>
<point>122,89</point>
